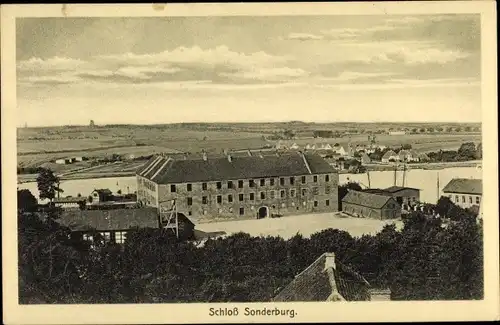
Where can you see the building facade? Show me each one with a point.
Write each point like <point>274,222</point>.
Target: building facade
<point>465,193</point>
<point>371,205</point>
<point>248,186</point>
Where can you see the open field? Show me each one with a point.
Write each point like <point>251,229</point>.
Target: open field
<point>306,225</point>
<point>40,145</point>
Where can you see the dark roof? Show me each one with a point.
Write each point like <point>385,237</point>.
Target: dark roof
<point>464,185</point>
<point>164,170</point>
<point>366,199</point>
<point>116,219</point>
<point>315,283</point>
<point>103,191</point>
<point>389,154</point>
<point>394,189</point>
<point>71,199</point>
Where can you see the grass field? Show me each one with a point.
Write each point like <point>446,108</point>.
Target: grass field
<point>306,225</point>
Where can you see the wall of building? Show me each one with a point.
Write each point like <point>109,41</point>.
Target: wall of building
<point>291,203</point>
<point>362,211</point>
<point>408,195</point>
<point>464,200</point>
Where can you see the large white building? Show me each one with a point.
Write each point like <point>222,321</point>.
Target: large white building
<point>464,192</point>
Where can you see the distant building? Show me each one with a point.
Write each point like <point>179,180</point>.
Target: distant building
<point>365,159</point>
<point>403,195</point>
<point>326,146</point>
<point>246,186</point>
<point>60,161</point>
<point>69,202</point>
<point>390,156</point>
<point>423,157</point>
<point>371,205</point>
<point>408,156</point>
<point>113,225</point>
<point>295,146</point>
<point>466,193</point>
<point>397,133</point>
<point>327,279</point>
<point>339,150</point>
<point>310,146</point>
<point>74,159</point>
<point>101,195</point>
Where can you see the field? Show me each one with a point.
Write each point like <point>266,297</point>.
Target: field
<point>38,146</point>
<point>306,225</point>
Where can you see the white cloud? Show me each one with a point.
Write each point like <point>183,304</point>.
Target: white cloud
<point>304,37</point>
<point>51,64</point>
<point>269,74</point>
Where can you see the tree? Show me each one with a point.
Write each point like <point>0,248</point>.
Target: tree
<point>406,146</point>
<point>467,129</point>
<point>467,151</point>
<point>92,124</point>
<point>449,129</point>
<point>48,184</point>
<point>26,202</point>
<point>439,129</point>
<point>422,130</point>
<point>479,151</point>
<point>430,129</point>
<point>414,130</point>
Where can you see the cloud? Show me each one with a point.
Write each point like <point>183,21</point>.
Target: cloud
<point>304,37</point>
<point>51,64</point>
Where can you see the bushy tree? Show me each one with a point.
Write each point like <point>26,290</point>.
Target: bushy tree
<point>48,184</point>
<point>26,202</point>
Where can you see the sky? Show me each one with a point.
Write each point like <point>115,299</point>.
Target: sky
<point>248,69</point>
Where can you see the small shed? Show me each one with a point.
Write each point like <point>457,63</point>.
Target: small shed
<point>101,195</point>
<point>371,205</point>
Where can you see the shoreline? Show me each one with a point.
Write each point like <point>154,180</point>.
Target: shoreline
<point>28,178</point>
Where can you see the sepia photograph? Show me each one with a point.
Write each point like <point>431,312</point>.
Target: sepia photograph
<point>251,162</point>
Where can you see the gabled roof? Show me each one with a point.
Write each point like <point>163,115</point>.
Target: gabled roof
<point>326,279</point>
<point>394,189</point>
<point>105,220</point>
<point>389,154</point>
<point>366,199</point>
<point>164,170</point>
<point>465,186</point>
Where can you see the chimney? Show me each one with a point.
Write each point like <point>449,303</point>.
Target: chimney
<point>329,261</point>
<point>204,155</point>
<point>229,158</point>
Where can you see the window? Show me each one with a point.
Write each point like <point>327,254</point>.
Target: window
<point>463,198</point>
<point>262,195</point>
<point>229,198</point>
<point>252,196</point>
<point>315,179</point>
<point>204,200</point>
<point>219,199</point>
<point>219,185</point>
<point>327,178</point>
<point>240,184</point>
<point>282,193</point>
<point>456,198</point>
<point>327,189</point>
<point>120,237</point>
<point>242,211</point>
<point>172,188</point>
<point>189,187</point>
<point>292,193</point>
<point>272,194</point>
<point>204,186</point>
<point>263,182</point>
<point>271,181</point>
<point>282,181</point>
<point>229,184</point>
<point>106,236</point>
<point>190,213</point>
<point>327,203</point>
<point>315,203</point>
<point>88,237</point>
<point>240,197</point>
<point>303,179</point>
<point>292,180</point>
<point>470,199</point>
<point>189,201</point>
<point>315,191</point>
<point>304,192</point>
<point>477,199</point>
<point>251,183</point>
<point>231,210</point>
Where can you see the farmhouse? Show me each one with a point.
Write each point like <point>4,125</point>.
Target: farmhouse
<point>404,195</point>
<point>113,225</point>
<point>326,279</point>
<point>339,150</point>
<point>101,195</point>
<point>390,156</point>
<point>464,192</point>
<point>295,146</point>
<point>365,159</point>
<point>247,186</point>
<point>408,156</point>
<point>371,205</point>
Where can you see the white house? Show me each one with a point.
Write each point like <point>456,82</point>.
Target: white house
<point>60,161</point>
<point>390,156</point>
<point>310,146</point>
<point>339,150</point>
<point>466,193</point>
<point>326,146</point>
<point>295,146</point>
<point>397,133</point>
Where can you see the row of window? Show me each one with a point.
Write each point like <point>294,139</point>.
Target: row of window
<point>463,197</point>
<point>251,183</point>
<point>283,205</point>
<point>148,184</point>
<point>114,237</point>
<point>262,196</point>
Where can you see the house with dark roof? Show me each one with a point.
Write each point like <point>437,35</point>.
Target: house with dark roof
<point>464,192</point>
<point>69,202</point>
<point>404,195</point>
<point>254,186</point>
<point>327,279</point>
<point>114,224</point>
<point>390,156</point>
<point>100,195</point>
<point>370,205</point>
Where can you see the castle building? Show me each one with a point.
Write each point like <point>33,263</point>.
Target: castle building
<point>256,186</point>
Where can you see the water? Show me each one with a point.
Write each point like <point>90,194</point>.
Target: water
<point>425,180</point>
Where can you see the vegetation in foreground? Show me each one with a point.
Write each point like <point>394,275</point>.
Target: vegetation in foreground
<point>428,259</point>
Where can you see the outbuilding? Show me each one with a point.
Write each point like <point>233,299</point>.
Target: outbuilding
<point>371,205</point>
